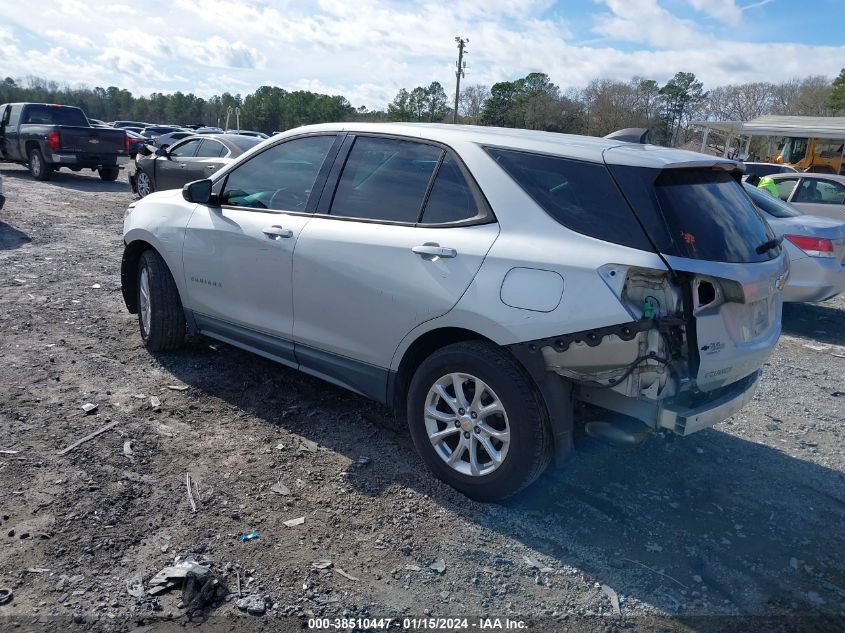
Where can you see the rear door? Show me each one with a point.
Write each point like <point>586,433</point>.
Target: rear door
<point>171,171</point>
<point>396,242</point>
<point>820,196</point>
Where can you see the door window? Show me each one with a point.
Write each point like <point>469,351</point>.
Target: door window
<point>820,191</point>
<point>451,198</point>
<point>280,177</point>
<point>212,149</point>
<point>186,149</point>
<point>385,179</point>
<point>785,187</point>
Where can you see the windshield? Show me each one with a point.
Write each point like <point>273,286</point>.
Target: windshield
<point>55,115</point>
<point>768,203</point>
<point>696,213</point>
<point>794,149</point>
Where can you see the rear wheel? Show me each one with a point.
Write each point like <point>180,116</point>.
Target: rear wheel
<point>143,184</point>
<point>160,314</point>
<point>38,167</point>
<point>477,421</point>
<point>109,173</point>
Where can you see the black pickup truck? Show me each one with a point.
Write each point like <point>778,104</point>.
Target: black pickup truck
<point>47,137</point>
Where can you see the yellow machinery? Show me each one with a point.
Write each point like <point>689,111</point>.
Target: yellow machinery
<point>811,154</point>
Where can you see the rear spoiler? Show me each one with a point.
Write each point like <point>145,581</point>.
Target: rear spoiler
<point>630,135</point>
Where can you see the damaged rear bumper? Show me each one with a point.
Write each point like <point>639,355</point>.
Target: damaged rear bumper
<point>684,414</point>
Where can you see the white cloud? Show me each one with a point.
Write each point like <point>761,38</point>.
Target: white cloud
<point>725,11</point>
<point>368,49</point>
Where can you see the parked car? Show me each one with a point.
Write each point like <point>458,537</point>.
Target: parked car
<point>154,131</point>
<point>2,194</point>
<point>134,141</point>
<point>260,135</point>
<point>767,169</point>
<point>192,158</point>
<point>480,281</point>
<point>168,139</point>
<point>98,123</point>
<point>817,194</point>
<point>815,246</point>
<point>134,124</point>
<point>48,137</point>
<point>209,130</point>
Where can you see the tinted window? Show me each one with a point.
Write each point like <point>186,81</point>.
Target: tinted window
<point>211,149</point>
<point>451,198</point>
<point>763,169</point>
<point>696,213</point>
<point>385,179</point>
<point>785,187</point>
<point>820,191</point>
<point>186,149</point>
<point>245,142</point>
<point>768,203</point>
<point>54,115</point>
<point>280,177</point>
<point>581,196</point>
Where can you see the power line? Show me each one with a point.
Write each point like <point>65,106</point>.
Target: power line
<point>459,72</point>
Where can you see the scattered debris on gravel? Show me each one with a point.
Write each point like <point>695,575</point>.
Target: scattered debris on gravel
<point>747,519</point>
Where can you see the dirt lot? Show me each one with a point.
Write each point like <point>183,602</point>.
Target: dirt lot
<point>747,519</point>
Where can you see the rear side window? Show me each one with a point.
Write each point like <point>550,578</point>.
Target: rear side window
<point>211,149</point>
<point>385,179</point>
<point>54,115</point>
<point>581,196</point>
<point>697,213</point>
<point>820,191</point>
<point>451,198</point>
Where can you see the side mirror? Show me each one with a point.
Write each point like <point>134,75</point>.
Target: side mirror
<point>161,151</point>
<point>198,191</point>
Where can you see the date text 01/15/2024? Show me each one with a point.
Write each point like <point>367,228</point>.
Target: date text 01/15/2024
<point>430,624</point>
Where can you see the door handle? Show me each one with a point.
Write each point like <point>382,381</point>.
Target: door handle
<point>276,232</point>
<point>432,250</point>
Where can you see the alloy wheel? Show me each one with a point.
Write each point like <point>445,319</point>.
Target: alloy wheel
<point>143,185</point>
<point>467,424</point>
<point>144,305</point>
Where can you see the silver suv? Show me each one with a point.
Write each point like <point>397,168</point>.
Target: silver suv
<point>495,287</point>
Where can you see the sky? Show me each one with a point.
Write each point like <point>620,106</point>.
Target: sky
<point>367,50</point>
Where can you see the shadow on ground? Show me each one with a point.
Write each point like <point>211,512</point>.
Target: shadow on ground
<point>11,238</point>
<point>818,321</point>
<point>711,522</point>
<point>87,180</point>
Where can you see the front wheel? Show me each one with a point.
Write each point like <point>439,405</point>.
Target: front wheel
<point>109,173</point>
<point>478,422</point>
<point>38,167</point>
<point>143,184</point>
<point>160,314</point>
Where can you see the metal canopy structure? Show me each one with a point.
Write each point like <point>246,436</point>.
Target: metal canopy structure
<point>772,126</point>
<point>827,127</point>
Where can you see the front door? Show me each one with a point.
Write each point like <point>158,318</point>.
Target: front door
<point>238,255</point>
<point>397,244</point>
<point>170,170</point>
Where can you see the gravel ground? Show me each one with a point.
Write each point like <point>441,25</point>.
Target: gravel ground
<point>746,520</point>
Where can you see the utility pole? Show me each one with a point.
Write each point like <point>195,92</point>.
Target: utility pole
<point>461,65</point>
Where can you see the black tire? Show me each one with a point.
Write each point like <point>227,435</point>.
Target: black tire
<point>530,449</point>
<point>38,167</point>
<point>166,329</point>
<point>109,173</point>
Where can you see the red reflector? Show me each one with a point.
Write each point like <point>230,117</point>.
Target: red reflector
<point>819,246</point>
<point>55,140</point>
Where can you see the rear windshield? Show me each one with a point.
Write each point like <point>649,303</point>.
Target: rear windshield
<point>54,115</point>
<point>763,169</point>
<point>697,213</point>
<point>244,142</point>
<point>581,196</point>
<point>767,203</point>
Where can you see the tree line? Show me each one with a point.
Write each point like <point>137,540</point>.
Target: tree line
<point>531,102</point>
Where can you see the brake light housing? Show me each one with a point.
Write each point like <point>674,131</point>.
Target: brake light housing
<point>125,143</point>
<point>813,246</point>
<point>54,140</point>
